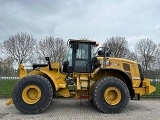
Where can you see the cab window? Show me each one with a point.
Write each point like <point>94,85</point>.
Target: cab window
<point>82,51</point>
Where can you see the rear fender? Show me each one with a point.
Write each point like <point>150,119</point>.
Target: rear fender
<point>116,73</point>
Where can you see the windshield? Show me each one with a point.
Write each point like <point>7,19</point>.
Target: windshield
<point>69,56</point>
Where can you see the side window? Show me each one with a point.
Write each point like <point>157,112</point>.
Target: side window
<point>92,51</point>
<point>69,56</point>
<point>82,51</point>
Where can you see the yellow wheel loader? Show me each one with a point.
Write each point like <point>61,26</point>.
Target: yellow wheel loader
<point>85,73</point>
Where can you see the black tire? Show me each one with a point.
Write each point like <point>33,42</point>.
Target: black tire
<point>99,97</point>
<point>41,103</point>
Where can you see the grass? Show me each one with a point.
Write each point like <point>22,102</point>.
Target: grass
<point>6,87</point>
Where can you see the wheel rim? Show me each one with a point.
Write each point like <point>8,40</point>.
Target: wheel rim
<point>31,94</point>
<point>112,95</point>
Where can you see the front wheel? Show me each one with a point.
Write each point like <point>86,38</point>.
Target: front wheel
<point>32,94</point>
<point>110,95</point>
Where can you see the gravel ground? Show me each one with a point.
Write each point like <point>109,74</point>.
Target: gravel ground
<point>70,109</point>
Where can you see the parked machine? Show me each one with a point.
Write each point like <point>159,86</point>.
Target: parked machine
<point>109,82</point>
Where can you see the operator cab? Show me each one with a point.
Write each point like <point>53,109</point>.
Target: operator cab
<point>79,56</point>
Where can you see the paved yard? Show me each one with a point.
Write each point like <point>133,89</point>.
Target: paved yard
<point>70,109</point>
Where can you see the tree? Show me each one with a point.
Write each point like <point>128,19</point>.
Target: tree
<point>20,47</point>
<point>6,66</point>
<point>146,50</point>
<point>132,56</point>
<point>55,48</point>
<point>158,57</point>
<point>6,63</point>
<point>118,46</point>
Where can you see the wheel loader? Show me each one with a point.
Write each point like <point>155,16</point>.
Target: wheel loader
<point>87,72</point>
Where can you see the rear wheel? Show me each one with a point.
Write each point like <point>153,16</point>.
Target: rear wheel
<point>110,95</point>
<point>32,94</point>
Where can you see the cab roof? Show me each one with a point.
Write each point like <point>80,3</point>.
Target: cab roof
<point>81,41</point>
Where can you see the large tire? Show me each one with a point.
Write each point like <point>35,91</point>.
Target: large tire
<point>32,94</point>
<point>110,95</point>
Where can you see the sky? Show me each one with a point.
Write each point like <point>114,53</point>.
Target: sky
<point>74,19</point>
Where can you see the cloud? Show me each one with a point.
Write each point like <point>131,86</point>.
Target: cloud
<point>93,19</point>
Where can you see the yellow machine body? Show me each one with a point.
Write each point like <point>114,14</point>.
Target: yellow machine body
<point>125,71</point>
<point>115,68</point>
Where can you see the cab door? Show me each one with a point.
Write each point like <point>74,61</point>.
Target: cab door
<point>82,57</point>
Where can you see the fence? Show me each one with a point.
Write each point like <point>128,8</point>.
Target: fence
<point>154,76</point>
<point>8,79</point>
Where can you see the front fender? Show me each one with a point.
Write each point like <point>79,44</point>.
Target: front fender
<point>56,77</point>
